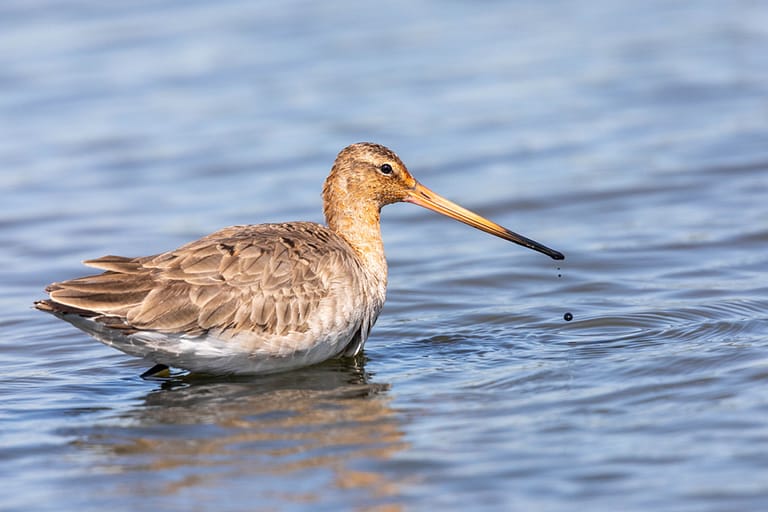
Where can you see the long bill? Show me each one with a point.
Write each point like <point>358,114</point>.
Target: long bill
<point>426,198</point>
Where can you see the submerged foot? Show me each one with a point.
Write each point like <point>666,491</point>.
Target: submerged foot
<point>158,371</point>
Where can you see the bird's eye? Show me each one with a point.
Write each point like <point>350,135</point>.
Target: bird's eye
<point>385,169</point>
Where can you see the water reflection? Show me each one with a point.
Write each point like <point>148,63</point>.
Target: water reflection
<point>220,435</point>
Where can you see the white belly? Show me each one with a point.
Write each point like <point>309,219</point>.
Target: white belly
<point>242,353</point>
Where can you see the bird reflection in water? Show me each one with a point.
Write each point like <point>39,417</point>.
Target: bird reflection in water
<point>261,433</point>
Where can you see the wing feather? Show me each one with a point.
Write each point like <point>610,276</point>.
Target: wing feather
<point>267,278</point>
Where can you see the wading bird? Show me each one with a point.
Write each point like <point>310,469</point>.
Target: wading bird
<point>261,298</point>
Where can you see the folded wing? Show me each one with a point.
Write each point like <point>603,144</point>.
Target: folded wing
<point>267,278</point>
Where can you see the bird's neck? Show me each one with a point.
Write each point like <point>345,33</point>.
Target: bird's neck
<point>359,225</point>
<point>354,214</point>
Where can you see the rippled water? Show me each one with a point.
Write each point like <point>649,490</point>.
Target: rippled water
<point>631,136</point>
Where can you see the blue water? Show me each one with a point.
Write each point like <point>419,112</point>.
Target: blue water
<point>632,136</point>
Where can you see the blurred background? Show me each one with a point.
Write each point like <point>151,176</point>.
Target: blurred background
<point>632,136</point>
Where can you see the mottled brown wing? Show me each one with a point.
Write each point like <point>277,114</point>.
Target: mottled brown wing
<point>266,278</point>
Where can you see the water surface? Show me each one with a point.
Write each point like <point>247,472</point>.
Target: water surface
<point>633,138</point>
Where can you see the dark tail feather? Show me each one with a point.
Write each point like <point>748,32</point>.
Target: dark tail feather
<point>50,306</point>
